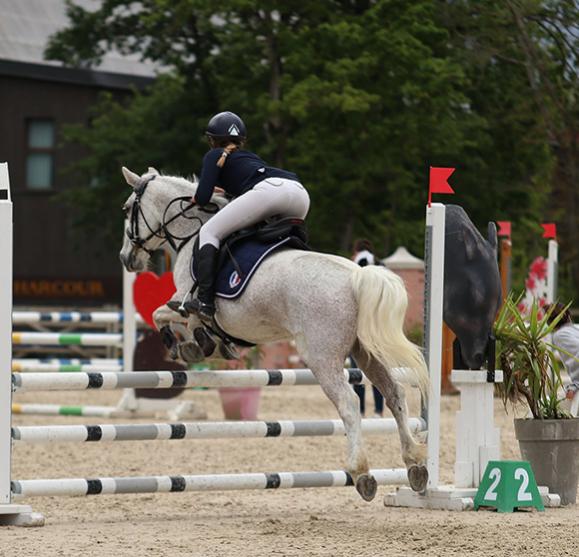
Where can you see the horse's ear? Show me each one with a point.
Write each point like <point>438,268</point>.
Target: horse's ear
<point>131,178</point>
<point>153,170</point>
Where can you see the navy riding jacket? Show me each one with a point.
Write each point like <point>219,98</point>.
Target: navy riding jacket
<point>242,170</point>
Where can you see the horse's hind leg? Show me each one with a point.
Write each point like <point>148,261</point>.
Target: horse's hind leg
<point>329,373</point>
<point>413,453</point>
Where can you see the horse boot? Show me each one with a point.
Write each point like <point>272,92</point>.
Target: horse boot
<point>170,341</point>
<point>204,304</point>
<point>204,340</point>
<point>228,350</point>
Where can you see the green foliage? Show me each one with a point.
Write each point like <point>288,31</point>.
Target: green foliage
<point>530,366</point>
<point>357,97</point>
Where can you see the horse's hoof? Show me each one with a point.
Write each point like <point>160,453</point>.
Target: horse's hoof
<point>228,351</point>
<point>191,352</point>
<point>174,352</point>
<point>366,486</point>
<point>418,477</point>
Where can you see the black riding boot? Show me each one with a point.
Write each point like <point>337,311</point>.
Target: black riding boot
<point>204,304</point>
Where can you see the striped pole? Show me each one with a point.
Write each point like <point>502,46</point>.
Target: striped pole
<point>82,339</point>
<point>105,362</point>
<point>211,482</point>
<point>111,380</point>
<point>60,368</point>
<point>200,430</point>
<point>63,410</point>
<point>65,317</point>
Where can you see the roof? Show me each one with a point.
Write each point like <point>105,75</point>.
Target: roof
<point>25,27</point>
<point>403,259</point>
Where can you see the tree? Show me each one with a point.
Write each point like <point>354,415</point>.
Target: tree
<point>358,97</point>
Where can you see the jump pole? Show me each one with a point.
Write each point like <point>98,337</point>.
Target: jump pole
<point>506,255</point>
<point>128,400</point>
<point>552,271</point>
<point>10,513</point>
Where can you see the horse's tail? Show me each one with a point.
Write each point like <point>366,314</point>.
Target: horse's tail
<point>382,303</point>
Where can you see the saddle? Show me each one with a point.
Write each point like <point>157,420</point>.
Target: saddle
<point>269,231</point>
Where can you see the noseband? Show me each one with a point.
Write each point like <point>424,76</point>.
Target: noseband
<point>162,231</point>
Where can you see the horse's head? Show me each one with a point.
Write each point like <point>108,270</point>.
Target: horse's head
<point>159,211</point>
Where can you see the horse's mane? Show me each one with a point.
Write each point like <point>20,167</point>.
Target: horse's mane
<point>191,184</point>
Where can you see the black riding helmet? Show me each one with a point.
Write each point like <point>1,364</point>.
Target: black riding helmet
<point>226,125</point>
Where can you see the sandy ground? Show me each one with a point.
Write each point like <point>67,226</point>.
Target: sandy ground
<point>328,522</point>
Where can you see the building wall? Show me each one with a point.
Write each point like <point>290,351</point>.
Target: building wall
<point>414,281</point>
<point>50,263</point>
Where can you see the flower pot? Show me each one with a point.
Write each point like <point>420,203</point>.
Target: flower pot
<point>552,448</point>
<point>240,403</point>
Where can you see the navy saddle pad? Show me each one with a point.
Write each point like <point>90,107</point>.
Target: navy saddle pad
<point>249,254</point>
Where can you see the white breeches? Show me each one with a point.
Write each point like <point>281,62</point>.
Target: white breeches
<point>272,196</point>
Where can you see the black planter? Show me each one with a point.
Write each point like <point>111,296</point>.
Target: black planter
<point>552,448</point>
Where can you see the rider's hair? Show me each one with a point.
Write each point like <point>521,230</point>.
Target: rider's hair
<point>228,144</point>
<point>362,244</point>
<point>557,309</point>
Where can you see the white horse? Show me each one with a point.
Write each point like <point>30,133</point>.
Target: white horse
<point>327,304</point>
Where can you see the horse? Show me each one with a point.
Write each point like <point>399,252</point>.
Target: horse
<point>329,306</point>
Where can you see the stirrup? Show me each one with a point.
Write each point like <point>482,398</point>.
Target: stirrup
<point>177,307</point>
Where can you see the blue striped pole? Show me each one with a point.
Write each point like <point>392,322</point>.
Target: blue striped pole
<point>65,317</point>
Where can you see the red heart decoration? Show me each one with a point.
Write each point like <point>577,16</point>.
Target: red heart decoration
<point>151,291</point>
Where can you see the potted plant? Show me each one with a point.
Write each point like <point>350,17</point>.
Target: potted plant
<point>550,439</point>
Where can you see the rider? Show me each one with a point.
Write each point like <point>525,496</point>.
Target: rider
<point>259,192</point>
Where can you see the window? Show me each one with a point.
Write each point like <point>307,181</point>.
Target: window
<point>40,158</point>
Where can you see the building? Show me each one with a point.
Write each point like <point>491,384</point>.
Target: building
<point>37,99</point>
<point>411,269</point>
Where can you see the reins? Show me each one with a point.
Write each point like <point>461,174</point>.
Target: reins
<point>162,232</point>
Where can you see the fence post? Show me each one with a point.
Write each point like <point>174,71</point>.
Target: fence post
<point>10,514</point>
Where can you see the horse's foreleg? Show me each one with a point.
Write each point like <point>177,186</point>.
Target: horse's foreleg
<point>413,453</point>
<point>195,344</point>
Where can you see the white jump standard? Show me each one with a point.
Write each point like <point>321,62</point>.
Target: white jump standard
<point>10,513</point>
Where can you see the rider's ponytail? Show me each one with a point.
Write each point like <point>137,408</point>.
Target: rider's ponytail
<point>227,150</point>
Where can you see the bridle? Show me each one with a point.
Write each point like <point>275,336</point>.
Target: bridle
<point>162,231</point>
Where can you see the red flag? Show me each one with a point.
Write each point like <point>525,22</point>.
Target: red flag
<point>504,228</point>
<point>549,230</point>
<point>438,181</point>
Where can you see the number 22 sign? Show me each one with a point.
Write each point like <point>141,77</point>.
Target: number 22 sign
<point>507,485</point>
